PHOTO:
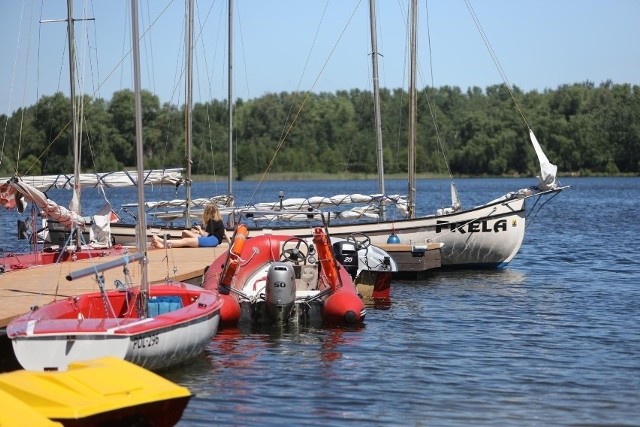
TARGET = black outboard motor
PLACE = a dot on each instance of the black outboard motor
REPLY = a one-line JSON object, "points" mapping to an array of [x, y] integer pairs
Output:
{"points": [[347, 255]]}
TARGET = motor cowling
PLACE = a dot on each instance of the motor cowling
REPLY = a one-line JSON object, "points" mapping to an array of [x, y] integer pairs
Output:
{"points": [[347, 255], [280, 292]]}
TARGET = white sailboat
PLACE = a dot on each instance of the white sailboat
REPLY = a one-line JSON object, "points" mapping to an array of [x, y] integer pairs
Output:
{"points": [[152, 326], [486, 236]]}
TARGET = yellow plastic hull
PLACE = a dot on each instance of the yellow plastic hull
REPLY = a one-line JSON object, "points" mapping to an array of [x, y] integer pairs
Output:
{"points": [[92, 393]]}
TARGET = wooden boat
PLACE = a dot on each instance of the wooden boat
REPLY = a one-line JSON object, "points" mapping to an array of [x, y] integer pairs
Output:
{"points": [[277, 279], [152, 326], [98, 392], [485, 236], [488, 235]]}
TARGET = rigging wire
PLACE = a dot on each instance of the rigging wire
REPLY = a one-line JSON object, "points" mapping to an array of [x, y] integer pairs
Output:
{"points": [[11, 86], [495, 60], [308, 94], [432, 109], [431, 103], [24, 94], [209, 128]]}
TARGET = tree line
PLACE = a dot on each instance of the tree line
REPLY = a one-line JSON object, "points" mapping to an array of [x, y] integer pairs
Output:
{"points": [[583, 128]]}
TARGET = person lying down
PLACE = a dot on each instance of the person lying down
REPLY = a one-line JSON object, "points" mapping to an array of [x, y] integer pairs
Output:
{"points": [[211, 236]]}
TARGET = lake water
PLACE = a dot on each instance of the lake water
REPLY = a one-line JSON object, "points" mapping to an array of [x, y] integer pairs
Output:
{"points": [[553, 339]]}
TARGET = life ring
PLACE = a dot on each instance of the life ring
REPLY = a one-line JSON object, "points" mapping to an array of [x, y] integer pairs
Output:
{"points": [[237, 244], [325, 255]]}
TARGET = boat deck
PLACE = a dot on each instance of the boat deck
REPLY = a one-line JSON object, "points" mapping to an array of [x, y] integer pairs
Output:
{"points": [[38, 285]]}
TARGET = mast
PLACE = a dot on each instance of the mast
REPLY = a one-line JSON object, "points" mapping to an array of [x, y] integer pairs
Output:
{"points": [[142, 219], [75, 200], [376, 101], [411, 164], [74, 205], [230, 101], [188, 107]]}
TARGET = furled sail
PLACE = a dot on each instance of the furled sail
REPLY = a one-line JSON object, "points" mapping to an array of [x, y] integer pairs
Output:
{"points": [[50, 209], [107, 179], [220, 201], [306, 209], [318, 202], [548, 170]]}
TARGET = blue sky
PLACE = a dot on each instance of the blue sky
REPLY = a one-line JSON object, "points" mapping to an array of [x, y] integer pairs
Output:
{"points": [[316, 45]]}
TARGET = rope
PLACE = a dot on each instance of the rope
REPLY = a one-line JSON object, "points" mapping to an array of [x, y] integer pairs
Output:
{"points": [[299, 112], [495, 60]]}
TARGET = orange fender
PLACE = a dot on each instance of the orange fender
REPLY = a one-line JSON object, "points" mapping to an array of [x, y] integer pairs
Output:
{"points": [[237, 244], [325, 255]]}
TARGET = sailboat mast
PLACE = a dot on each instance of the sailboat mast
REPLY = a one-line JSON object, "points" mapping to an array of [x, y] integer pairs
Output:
{"points": [[142, 219], [411, 164], [72, 92], [230, 101], [376, 101], [75, 200], [188, 106]]}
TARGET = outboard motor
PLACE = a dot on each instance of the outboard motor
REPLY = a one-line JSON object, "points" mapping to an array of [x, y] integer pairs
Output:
{"points": [[280, 291], [347, 255]]}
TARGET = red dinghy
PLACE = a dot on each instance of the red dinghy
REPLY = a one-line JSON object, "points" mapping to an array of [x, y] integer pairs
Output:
{"points": [[281, 279], [157, 327]]}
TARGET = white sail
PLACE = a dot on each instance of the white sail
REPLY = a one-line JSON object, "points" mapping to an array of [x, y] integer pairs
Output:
{"points": [[171, 176], [548, 170], [296, 216], [319, 202], [50, 209], [221, 200]]}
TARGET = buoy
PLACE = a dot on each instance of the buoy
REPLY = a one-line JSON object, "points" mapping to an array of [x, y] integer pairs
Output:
{"points": [[393, 238]]}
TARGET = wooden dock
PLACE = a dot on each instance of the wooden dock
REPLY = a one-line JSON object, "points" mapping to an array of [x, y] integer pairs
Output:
{"points": [[414, 261], [21, 289]]}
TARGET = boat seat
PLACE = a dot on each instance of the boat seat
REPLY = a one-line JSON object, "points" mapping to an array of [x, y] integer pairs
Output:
{"points": [[163, 305]]}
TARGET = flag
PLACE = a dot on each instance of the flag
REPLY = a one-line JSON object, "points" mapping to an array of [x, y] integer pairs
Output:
{"points": [[7, 196]]}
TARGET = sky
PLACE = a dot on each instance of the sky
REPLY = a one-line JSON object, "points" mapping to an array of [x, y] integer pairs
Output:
{"points": [[315, 45]]}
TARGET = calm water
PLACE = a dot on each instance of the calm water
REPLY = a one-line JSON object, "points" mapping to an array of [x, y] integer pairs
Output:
{"points": [[554, 339]]}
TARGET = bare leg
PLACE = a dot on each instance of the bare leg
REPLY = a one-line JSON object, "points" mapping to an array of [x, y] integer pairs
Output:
{"points": [[189, 233], [185, 242]]}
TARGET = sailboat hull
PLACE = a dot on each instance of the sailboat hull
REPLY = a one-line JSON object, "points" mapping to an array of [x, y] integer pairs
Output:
{"points": [[183, 320], [488, 236]]}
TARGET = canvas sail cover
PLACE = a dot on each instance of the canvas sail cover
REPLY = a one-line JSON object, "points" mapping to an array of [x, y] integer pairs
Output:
{"points": [[106, 179], [50, 209]]}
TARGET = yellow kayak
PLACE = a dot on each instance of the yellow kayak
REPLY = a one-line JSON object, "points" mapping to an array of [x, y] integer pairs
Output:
{"points": [[98, 391]]}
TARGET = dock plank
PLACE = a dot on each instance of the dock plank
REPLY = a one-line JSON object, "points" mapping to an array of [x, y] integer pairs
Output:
{"points": [[22, 289]]}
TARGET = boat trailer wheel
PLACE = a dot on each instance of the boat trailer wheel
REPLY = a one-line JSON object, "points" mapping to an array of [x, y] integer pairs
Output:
{"points": [[295, 250]]}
